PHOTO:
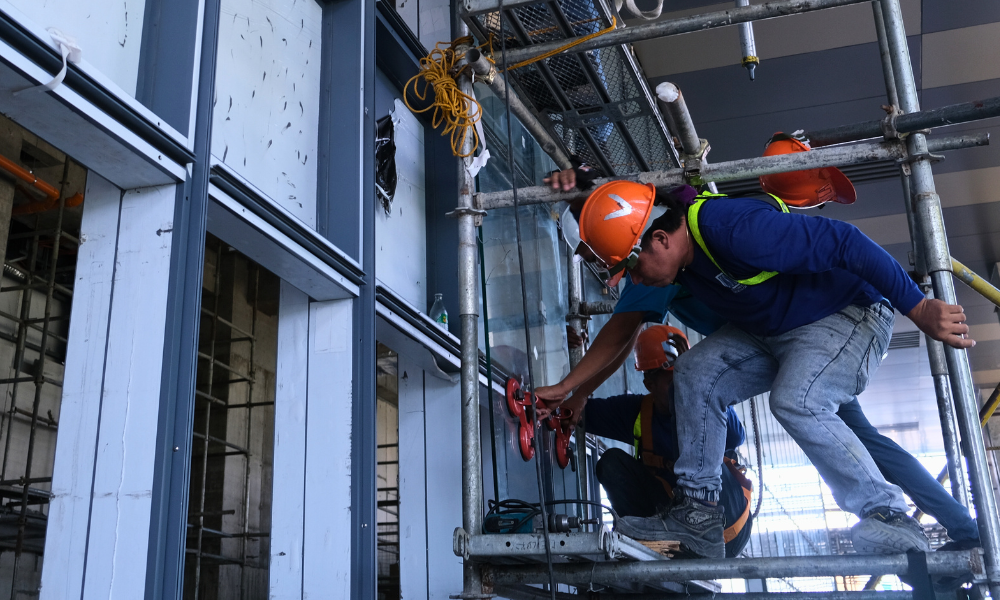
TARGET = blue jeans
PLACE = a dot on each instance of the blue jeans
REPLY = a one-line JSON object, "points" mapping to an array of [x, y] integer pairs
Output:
{"points": [[810, 371], [901, 468]]}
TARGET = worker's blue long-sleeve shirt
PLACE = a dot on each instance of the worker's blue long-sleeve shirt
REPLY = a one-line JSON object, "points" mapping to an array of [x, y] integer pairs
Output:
{"points": [[824, 265]]}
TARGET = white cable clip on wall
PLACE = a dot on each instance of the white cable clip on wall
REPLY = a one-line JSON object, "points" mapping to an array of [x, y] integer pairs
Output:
{"points": [[71, 53]]}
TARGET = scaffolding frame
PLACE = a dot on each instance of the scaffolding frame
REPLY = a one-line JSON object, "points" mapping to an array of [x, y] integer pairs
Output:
{"points": [[950, 366]]}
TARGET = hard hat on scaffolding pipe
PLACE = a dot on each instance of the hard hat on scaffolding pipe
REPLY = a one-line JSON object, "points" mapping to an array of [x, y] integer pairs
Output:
{"points": [[805, 189]]}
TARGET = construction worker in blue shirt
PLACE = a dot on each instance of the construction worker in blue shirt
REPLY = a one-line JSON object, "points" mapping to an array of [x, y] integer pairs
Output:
{"points": [[807, 323], [641, 484], [640, 304]]}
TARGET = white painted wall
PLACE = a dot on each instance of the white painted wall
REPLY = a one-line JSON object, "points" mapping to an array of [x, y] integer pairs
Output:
{"points": [[327, 514], [444, 486], [99, 520], [266, 117], [288, 502], [108, 31], [401, 237], [412, 491]]}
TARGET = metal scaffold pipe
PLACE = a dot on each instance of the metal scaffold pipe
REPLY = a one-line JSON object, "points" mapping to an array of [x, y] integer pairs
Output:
{"points": [[525, 593], [472, 468], [747, 44], [614, 573], [952, 114], [747, 168], [671, 102], [651, 31], [946, 412], [930, 230], [487, 73], [578, 322]]}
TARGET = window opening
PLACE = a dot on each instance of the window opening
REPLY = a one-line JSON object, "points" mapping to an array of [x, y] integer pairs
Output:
{"points": [[229, 514], [387, 471], [39, 239]]}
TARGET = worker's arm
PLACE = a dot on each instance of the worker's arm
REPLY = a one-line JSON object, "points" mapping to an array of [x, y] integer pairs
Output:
{"points": [[585, 389], [834, 244], [608, 345]]}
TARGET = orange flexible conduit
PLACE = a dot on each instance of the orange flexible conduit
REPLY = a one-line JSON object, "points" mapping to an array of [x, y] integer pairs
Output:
{"points": [[51, 194]]}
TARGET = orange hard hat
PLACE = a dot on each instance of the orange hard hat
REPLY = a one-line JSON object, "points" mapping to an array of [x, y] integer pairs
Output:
{"points": [[613, 220], [659, 346], [805, 189]]}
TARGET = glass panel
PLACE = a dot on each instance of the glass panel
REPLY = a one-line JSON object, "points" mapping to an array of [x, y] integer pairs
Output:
{"points": [[229, 510]]}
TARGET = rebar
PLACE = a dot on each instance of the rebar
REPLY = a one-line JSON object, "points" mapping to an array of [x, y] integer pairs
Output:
{"points": [[934, 242], [39, 379], [747, 168]]}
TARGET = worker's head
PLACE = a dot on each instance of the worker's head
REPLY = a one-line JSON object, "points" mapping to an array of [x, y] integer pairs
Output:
{"points": [[656, 351], [632, 227], [805, 189]]}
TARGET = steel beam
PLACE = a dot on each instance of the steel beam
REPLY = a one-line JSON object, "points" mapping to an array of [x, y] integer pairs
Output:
{"points": [[952, 114], [627, 35], [616, 573], [930, 232], [747, 168]]}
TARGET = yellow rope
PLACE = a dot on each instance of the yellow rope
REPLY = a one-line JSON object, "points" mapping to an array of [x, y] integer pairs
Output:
{"points": [[452, 107], [576, 42]]}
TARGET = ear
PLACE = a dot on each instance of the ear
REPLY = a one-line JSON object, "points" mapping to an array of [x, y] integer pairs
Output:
{"points": [[661, 237]]}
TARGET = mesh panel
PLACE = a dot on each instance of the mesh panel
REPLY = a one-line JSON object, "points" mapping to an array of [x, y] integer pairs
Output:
{"points": [[594, 100]]}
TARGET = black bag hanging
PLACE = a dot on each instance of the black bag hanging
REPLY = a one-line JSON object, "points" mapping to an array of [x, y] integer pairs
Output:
{"points": [[385, 162]]}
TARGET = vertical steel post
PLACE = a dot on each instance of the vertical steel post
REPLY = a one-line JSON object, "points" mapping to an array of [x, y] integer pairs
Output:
{"points": [[935, 349], [747, 44], [579, 324], [930, 228], [472, 471], [674, 108], [946, 412]]}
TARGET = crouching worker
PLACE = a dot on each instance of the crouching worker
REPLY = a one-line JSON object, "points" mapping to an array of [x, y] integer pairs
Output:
{"points": [[641, 485]]}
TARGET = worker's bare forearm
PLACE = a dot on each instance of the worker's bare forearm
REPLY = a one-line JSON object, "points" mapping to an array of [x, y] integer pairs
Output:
{"points": [[607, 346], [588, 387]]}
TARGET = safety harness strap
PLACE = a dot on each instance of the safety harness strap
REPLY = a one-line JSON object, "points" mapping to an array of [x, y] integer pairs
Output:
{"points": [[693, 211], [642, 432], [733, 530]]}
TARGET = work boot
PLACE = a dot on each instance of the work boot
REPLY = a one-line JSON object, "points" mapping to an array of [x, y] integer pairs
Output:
{"points": [[696, 526], [883, 531]]}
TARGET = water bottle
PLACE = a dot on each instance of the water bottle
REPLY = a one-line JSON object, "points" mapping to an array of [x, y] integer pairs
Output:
{"points": [[438, 312]]}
